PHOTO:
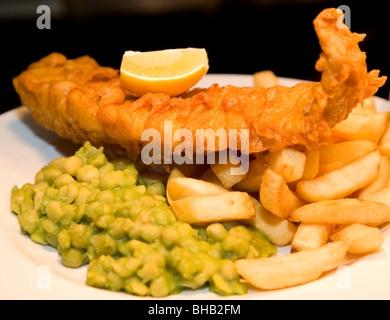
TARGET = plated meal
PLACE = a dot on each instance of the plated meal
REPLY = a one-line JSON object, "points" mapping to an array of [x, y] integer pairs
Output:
{"points": [[153, 208]]}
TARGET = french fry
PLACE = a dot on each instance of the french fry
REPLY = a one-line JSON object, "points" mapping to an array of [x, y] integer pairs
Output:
{"points": [[252, 181], [175, 173], [312, 165], [341, 182], [279, 231], [227, 206], [382, 196], [288, 162], [310, 236], [265, 79], [223, 172], [183, 187], [276, 196], [361, 238], [362, 126], [384, 143], [380, 181], [343, 211], [336, 156], [292, 269]]}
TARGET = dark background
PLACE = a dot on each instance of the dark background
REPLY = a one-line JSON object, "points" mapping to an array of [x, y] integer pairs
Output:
{"points": [[240, 36]]}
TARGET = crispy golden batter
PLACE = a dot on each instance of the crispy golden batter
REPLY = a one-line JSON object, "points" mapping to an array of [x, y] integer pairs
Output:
{"points": [[81, 100]]}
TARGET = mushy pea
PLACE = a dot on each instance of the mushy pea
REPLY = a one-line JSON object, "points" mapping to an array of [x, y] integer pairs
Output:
{"points": [[104, 214]]}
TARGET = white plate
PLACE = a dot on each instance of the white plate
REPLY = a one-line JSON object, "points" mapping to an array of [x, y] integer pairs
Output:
{"points": [[32, 271]]}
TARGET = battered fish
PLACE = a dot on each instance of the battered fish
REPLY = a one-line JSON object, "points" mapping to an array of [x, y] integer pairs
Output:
{"points": [[81, 100]]}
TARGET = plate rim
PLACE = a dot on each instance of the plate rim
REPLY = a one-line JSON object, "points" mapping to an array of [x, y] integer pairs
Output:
{"points": [[287, 293]]}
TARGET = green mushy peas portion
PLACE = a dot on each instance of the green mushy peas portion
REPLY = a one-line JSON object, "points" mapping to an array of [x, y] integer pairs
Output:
{"points": [[104, 214]]}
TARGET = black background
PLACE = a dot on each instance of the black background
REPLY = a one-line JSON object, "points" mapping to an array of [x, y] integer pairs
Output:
{"points": [[240, 36]]}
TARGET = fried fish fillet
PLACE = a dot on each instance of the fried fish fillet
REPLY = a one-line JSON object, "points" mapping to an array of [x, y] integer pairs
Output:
{"points": [[83, 101]]}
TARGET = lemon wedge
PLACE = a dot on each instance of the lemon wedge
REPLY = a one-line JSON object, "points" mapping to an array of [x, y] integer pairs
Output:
{"points": [[172, 71]]}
